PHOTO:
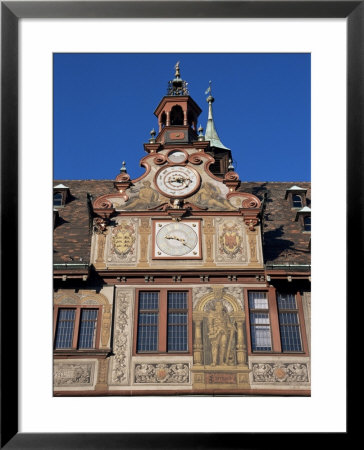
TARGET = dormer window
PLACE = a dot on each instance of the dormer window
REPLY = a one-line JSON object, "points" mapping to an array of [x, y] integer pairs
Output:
{"points": [[60, 195], [297, 201], [296, 197], [304, 217], [58, 199], [307, 223]]}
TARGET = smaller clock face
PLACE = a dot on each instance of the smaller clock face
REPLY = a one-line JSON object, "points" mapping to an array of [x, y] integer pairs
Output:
{"points": [[177, 181], [177, 156], [177, 239]]}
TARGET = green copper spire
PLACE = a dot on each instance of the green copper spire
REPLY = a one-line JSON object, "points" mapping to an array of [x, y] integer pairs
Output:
{"points": [[211, 133]]}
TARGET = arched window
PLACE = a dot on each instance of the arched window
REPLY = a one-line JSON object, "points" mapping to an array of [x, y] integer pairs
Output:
{"points": [[57, 199], [176, 115], [307, 223], [297, 201], [163, 120]]}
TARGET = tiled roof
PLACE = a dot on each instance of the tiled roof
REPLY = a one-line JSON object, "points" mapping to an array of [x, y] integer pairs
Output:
{"points": [[284, 240], [72, 233]]}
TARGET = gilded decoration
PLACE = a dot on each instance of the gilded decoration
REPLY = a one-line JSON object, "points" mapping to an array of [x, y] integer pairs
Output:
{"points": [[219, 335], [252, 239], [209, 232], [230, 241], [86, 297], [120, 361], [220, 332], [73, 374], [144, 235], [162, 373], [280, 372], [121, 242]]}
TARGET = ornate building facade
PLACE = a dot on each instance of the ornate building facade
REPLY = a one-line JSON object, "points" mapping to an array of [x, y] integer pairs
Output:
{"points": [[185, 280]]}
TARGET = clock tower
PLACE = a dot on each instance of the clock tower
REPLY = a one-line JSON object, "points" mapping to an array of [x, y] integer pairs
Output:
{"points": [[179, 244], [176, 296]]}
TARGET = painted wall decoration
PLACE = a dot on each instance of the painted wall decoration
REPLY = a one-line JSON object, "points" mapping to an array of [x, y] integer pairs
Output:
{"points": [[73, 374], [162, 373], [230, 241], [209, 197], [280, 372], [122, 242], [141, 197]]}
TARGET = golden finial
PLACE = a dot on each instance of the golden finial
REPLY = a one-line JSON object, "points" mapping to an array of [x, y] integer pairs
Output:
{"points": [[177, 74]]}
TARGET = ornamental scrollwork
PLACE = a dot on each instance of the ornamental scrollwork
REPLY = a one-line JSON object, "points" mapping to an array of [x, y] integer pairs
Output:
{"points": [[280, 373], [162, 373]]}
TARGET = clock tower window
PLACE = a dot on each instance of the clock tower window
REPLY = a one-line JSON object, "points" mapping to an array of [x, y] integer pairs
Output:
{"points": [[176, 115]]}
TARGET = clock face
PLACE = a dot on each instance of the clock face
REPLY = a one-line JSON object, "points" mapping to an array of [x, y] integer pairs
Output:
{"points": [[177, 239], [177, 181], [177, 156]]}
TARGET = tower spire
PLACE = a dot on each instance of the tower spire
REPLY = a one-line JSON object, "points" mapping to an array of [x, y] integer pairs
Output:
{"points": [[177, 86], [211, 133]]}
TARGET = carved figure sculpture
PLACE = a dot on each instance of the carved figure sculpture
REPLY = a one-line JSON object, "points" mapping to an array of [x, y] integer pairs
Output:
{"points": [[220, 333]]}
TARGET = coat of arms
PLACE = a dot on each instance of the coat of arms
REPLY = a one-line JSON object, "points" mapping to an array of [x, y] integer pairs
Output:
{"points": [[230, 239], [123, 239]]}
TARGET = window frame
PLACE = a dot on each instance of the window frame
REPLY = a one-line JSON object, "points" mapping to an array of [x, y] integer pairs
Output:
{"points": [[304, 223], [283, 325], [300, 199], [76, 329], [163, 322], [260, 311], [274, 322]]}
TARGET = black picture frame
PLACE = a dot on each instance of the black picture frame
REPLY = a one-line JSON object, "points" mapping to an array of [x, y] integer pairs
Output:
{"points": [[11, 12]]}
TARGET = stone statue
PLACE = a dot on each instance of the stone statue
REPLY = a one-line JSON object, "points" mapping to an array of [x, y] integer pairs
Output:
{"points": [[220, 333]]}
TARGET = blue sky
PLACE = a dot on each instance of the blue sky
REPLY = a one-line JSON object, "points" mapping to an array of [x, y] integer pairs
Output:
{"points": [[104, 104]]}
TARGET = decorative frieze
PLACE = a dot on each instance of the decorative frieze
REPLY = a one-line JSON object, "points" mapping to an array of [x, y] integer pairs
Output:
{"points": [[280, 372], [73, 374], [162, 373], [120, 362]]}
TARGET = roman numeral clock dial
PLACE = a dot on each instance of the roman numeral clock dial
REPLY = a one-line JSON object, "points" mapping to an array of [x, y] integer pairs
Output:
{"points": [[177, 240]]}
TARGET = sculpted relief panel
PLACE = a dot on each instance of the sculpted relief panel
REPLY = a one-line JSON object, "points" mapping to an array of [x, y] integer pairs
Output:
{"points": [[219, 335], [280, 373], [162, 373], [73, 373], [120, 361]]}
